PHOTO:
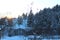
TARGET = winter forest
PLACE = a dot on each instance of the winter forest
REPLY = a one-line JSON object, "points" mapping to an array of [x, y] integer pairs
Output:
{"points": [[45, 24]]}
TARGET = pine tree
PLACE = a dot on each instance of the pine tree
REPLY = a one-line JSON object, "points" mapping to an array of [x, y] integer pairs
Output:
{"points": [[30, 20], [10, 22], [20, 20], [24, 16]]}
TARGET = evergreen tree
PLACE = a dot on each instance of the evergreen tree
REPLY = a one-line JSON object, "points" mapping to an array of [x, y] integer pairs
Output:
{"points": [[20, 20], [30, 21], [24, 16], [2, 21], [10, 22], [56, 8]]}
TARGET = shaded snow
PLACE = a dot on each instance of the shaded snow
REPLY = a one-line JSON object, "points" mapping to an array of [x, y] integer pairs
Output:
{"points": [[25, 38], [22, 26], [14, 38]]}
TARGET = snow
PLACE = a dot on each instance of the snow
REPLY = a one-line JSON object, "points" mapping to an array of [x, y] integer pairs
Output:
{"points": [[25, 38], [22, 26], [14, 38]]}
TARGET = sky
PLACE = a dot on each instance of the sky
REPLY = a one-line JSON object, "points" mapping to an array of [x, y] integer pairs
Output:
{"points": [[13, 8]]}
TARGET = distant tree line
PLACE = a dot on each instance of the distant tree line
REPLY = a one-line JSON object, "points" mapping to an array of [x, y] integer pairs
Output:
{"points": [[44, 22]]}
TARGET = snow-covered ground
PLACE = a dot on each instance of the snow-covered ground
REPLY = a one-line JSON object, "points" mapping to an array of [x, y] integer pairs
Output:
{"points": [[25, 38], [14, 38]]}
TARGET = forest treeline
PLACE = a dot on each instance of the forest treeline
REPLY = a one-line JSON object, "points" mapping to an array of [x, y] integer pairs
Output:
{"points": [[44, 22]]}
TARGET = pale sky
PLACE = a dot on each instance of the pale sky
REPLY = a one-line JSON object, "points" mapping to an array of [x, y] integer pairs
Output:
{"points": [[17, 7]]}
